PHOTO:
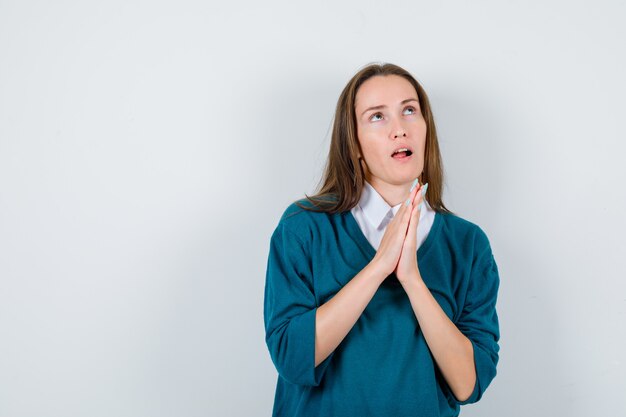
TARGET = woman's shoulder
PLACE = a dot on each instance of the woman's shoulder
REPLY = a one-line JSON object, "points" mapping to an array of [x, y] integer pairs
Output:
{"points": [[300, 210], [300, 217], [310, 208], [294, 209], [464, 229]]}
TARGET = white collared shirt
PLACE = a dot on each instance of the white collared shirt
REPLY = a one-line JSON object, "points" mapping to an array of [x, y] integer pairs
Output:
{"points": [[373, 214]]}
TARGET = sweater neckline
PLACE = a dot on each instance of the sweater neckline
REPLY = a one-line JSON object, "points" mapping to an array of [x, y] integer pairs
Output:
{"points": [[371, 251]]}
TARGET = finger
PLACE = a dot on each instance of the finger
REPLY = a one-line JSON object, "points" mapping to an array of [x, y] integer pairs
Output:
{"points": [[419, 200], [404, 213], [415, 218], [418, 196], [415, 196], [417, 208], [405, 206], [411, 200], [417, 190], [418, 204]]}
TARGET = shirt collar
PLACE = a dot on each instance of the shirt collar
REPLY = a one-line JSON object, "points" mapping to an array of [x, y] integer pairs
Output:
{"points": [[375, 207]]}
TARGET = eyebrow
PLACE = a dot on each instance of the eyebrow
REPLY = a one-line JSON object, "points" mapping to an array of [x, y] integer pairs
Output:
{"points": [[382, 106]]}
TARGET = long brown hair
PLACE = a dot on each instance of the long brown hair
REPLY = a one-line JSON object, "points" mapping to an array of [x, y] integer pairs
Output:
{"points": [[343, 179]]}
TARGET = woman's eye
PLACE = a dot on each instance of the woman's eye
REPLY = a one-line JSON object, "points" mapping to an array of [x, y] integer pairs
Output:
{"points": [[380, 114]]}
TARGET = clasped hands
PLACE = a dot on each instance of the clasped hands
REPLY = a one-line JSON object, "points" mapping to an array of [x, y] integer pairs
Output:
{"points": [[397, 251]]}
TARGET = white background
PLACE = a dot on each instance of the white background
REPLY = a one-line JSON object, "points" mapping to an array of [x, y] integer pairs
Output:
{"points": [[148, 149]]}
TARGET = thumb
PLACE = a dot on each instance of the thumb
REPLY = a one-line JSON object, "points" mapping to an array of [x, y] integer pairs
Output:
{"points": [[417, 209], [414, 220]]}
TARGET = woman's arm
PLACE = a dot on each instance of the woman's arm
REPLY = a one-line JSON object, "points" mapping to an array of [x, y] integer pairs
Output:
{"points": [[452, 351], [335, 318]]}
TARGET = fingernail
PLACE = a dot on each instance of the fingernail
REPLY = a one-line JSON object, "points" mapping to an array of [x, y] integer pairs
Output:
{"points": [[408, 201], [413, 185], [424, 188]]}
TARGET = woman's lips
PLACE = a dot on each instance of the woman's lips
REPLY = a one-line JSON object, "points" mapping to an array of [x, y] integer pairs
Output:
{"points": [[402, 158]]}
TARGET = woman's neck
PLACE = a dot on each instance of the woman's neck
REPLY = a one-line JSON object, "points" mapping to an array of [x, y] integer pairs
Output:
{"points": [[392, 194]]}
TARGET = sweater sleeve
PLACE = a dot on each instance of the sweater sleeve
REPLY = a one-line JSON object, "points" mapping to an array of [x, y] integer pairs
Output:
{"points": [[479, 322], [289, 310]]}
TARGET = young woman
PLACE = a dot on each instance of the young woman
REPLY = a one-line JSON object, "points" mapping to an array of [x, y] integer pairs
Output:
{"points": [[379, 301]]}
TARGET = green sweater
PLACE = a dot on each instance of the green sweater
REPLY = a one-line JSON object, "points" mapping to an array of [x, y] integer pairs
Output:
{"points": [[383, 367]]}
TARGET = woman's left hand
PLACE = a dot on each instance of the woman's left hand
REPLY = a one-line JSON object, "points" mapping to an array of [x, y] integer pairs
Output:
{"points": [[407, 269]]}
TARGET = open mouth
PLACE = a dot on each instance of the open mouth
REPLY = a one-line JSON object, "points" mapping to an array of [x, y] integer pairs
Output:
{"points": [[401, 153]]}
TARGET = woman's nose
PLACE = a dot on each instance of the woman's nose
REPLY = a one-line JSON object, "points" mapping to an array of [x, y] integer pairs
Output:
{"points": [[399, 133], [397, 130]]}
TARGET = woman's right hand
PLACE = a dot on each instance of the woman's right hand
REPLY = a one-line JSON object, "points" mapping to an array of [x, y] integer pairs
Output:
{"points": [[390, 248]]}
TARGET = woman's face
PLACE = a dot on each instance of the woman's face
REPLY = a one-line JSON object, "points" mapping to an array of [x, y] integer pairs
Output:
{"points": [[388, 117]]}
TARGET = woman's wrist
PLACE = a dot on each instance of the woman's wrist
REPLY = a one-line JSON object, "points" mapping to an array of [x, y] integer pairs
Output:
{"points": [[377, 269]]}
